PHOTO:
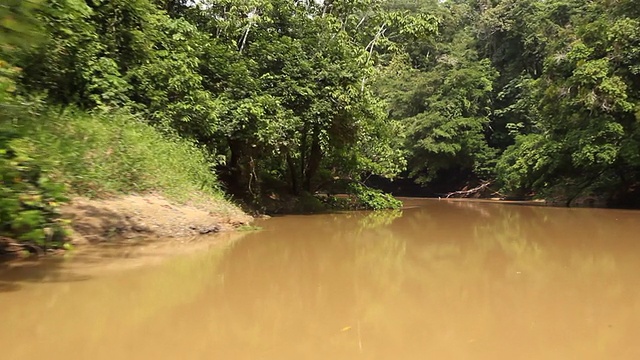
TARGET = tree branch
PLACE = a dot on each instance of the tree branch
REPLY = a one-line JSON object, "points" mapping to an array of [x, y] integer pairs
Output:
{"points": [[475, 190]]}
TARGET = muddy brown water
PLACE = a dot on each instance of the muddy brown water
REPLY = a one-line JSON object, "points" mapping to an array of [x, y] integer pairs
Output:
{"points": [[438, 280]]}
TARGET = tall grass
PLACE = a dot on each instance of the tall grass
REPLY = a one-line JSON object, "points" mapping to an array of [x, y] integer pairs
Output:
{"points": [[104, 153]]}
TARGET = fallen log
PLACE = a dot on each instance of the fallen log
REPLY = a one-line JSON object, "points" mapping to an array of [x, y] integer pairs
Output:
{"points": [[475, 190]]}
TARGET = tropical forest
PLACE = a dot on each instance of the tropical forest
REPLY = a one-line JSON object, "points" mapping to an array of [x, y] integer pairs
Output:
{"points": [[282, 104]]}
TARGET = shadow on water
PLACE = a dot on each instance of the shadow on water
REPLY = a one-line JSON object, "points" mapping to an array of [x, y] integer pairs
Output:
{"points": [[90, 262], [8, 286], [48, 270], [54, 269]]}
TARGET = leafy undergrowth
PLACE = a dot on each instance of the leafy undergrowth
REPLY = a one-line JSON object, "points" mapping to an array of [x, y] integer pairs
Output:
{"points": [[29, 200], [372, 199], [108, 153], [48, 154], [354, 197], [361, 197]]}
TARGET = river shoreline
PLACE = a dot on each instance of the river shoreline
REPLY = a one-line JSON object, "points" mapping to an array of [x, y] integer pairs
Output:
{"points": [[151, 219], [138, 220], [100, 220], [580, 202]]}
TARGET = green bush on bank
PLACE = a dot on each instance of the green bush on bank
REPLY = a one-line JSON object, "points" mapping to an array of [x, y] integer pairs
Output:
{"points": [[361, 197], [47, 154], [29, 200], [373, 199], [109, 153]]}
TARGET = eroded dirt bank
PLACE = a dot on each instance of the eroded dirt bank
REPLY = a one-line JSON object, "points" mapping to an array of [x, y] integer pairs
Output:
{"points": [[134, 216]]}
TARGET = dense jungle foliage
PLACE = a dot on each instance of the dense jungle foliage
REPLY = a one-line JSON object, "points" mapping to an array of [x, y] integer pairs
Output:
{"points": [[296, 97], [540, 96]]}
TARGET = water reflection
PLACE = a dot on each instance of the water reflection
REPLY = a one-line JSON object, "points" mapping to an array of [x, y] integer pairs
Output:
{"points": [[438, 280]]}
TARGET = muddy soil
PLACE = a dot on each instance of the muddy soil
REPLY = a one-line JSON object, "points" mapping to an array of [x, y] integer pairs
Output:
{"points": [[135, 216]]}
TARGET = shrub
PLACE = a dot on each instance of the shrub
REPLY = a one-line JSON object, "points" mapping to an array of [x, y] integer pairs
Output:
{"points": [[47, 153], [29, 200], [102, 154], [373, 199]]}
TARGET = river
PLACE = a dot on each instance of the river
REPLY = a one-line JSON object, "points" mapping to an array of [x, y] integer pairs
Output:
{"points": [[437, 280]]}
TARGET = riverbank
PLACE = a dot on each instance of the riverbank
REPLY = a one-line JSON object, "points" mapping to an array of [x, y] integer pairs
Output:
{"points": [[134, 216], [70, 178], [138, 220]]}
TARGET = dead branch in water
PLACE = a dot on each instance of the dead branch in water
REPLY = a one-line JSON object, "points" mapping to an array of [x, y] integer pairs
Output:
{"points": [[465, 193]]}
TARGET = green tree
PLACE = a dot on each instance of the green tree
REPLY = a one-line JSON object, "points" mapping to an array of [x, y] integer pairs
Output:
{"points": [[584, 138], [441, 91]]}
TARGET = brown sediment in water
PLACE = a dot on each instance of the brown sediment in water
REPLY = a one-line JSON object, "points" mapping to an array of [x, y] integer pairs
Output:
{"points": [[439, 280]]}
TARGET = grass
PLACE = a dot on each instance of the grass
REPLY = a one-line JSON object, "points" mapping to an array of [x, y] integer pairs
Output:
{"points": [[103, 154], [249, 228]]}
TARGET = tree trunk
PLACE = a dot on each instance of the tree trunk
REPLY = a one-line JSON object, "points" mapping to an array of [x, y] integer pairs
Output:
{"points": [[238, 182], [303, 151], [315, 157], [294, 175]]}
